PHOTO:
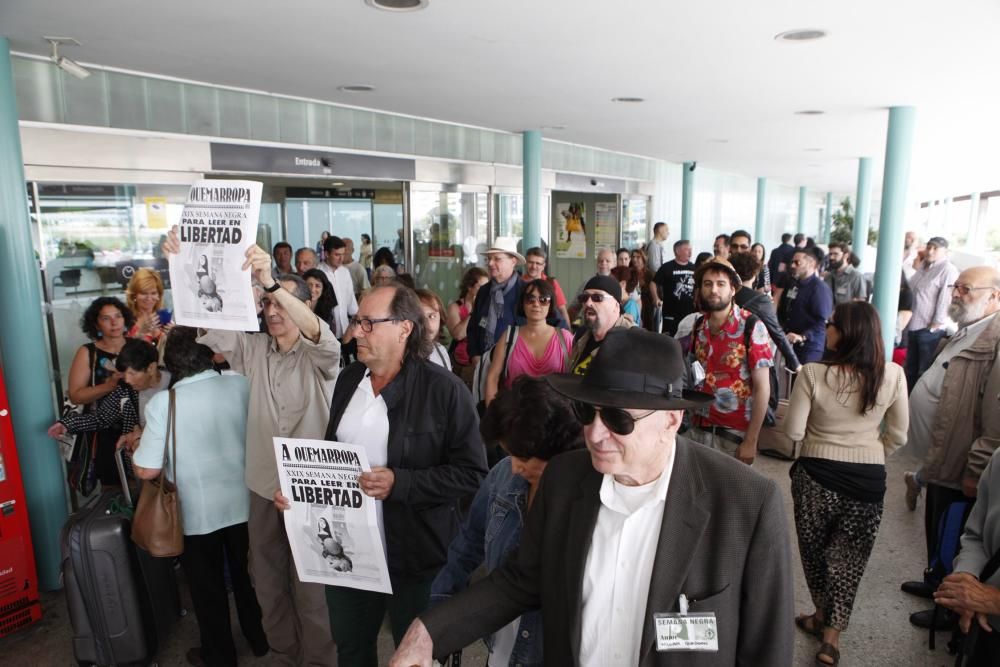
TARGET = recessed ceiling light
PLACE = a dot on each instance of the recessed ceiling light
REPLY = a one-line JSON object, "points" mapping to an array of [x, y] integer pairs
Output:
{"points": [[810, 112], [357, 88], [719, 141], [814, 150], [337, 184], [803, 35], [628, 100], [397, 5]]}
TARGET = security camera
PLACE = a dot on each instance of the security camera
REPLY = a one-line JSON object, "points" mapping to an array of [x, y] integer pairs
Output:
{"points": [[593, 181], [694, 165]]}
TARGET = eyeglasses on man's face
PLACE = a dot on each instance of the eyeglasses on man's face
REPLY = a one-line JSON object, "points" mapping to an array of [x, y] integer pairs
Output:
{"points": [[617, 420], [366, 324], [964, 290], [596, 297]]}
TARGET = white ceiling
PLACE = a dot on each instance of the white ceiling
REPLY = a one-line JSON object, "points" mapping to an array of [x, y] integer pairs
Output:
{"points": [[719, 88]]}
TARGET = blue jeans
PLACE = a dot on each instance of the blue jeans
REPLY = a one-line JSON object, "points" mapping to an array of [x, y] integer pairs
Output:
{"points": [[920, 347]]}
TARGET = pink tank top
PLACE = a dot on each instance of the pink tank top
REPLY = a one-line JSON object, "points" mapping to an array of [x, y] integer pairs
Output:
{"points": [[522, 362], [462, 347]]}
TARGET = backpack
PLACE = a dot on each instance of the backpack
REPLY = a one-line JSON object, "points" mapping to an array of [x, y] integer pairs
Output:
{"points": [[946, 546], [483, 368], [750, 322]]}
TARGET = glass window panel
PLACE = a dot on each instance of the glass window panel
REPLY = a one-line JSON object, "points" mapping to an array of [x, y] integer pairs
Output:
{"points": [[166, 112], [86, 99], [127, 101], [234, 114], [201, 107], [264, 118], [450, 229], [404, 135], [319, 124], [342, 130], [292, 121], [385, 132], [39, 95], [364, 130]]}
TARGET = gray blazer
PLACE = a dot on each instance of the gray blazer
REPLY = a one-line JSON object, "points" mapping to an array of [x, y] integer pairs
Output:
{"points": [[723, 543]]}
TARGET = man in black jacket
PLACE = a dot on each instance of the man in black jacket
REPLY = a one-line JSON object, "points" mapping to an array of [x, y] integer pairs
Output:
{"points": [[761, 305], [420, 428]]}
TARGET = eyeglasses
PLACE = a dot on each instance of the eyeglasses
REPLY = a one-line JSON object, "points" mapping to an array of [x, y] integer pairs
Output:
{"points": [[537, 298], [596, 297], [366, 324], [963, 290], [617, 420]]}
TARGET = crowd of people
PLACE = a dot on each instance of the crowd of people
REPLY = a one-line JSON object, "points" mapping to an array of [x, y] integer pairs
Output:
{"points": [[642, 397]]}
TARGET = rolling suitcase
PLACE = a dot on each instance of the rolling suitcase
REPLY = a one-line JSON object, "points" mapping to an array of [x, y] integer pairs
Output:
{"points": [[122, 601]]}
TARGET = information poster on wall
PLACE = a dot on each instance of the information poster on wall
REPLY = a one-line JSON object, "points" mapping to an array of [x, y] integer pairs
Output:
{"points": [[570, 231], [156, 212], [333, 528], [210, 287], [605, 225]]}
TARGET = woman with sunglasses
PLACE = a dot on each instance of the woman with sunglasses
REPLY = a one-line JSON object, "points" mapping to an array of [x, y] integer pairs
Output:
{"points": [[533, 423], [837, 409], [540, 347]]}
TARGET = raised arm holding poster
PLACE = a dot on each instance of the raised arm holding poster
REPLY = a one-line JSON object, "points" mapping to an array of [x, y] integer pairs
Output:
{"points": [[210, 287], [333, 528]]}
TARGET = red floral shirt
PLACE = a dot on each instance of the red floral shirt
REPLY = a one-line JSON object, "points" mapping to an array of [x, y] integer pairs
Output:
{"points": [[727, 364]]}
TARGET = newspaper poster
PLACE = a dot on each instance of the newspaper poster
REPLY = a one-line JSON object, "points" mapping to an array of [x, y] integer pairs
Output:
{"points": [[570, 230], [210, 287], [333, 528]]}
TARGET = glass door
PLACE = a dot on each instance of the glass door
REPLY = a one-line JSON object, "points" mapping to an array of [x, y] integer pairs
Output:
{"points": [[635, 229], [449, 230]]}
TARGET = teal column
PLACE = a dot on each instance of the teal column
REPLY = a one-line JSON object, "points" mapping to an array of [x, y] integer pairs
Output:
{"points": [[22, 346], [895, 181], [827, 219], [862, 209], [532, 174], [800, 227], [758, 227], [687, 199]]}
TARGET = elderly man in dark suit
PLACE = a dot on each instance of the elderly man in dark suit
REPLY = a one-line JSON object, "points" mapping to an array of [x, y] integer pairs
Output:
{"points": [[646, 549]]}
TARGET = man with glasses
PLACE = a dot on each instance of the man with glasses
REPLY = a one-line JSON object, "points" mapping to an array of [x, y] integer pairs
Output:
{"points": [[291, 370], [600, 304], [931, 297], [641, 547], [806, 305], [496, 302], [955, 411], [730, 358], [534, 269], [419, 426], [739, 241]]}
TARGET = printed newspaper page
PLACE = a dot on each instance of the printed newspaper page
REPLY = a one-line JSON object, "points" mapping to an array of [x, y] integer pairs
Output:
{"points": [[210, 287], [333, 528]]}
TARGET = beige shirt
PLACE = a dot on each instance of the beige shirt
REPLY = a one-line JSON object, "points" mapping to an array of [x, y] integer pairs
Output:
{"points": [[290, 393], [830, 424]]}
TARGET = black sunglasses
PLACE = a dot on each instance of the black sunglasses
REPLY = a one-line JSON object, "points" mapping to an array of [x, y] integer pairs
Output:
{"points": [[617, 420], [596, 297]]}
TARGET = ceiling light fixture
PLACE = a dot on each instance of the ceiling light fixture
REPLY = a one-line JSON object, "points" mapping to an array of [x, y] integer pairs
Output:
{"points": [[357, 88], [397, 5], [64, 63], [337, 184], [803, 35], [810, 112], [719, 141], [628, 100]]}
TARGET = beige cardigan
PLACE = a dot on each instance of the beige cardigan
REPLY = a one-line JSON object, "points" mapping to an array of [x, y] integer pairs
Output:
{"points": [[832, 427]]}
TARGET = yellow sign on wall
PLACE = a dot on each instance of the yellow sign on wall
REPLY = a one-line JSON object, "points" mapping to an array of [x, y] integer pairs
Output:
{"points": [[156, 212]]}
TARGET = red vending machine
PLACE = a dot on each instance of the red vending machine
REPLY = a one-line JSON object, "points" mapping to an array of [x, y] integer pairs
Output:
{"points": [[18, 581]]}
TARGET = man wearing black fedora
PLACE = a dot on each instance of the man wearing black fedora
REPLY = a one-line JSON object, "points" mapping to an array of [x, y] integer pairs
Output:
{"points": [[645, 549]]}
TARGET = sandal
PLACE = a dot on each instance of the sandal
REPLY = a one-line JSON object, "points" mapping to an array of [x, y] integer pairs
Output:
{"points": [[809, 624], [828, 651]]}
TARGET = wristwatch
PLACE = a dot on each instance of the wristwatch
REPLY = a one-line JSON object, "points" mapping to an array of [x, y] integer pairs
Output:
{"points": [[273, 288]]}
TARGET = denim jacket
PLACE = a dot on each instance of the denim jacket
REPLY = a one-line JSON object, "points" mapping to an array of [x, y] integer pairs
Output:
{"points": [[489, 533]]}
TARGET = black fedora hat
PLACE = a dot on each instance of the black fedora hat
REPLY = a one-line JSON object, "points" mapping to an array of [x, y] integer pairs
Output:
{"points": [[633, 368]]}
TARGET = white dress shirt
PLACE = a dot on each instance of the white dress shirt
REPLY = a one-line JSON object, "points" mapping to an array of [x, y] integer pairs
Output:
{"points": [[343, 288], [365, 423], [618, 571]]}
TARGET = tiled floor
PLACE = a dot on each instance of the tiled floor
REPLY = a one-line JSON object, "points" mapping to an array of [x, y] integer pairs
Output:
{"points": [[879, 633]]}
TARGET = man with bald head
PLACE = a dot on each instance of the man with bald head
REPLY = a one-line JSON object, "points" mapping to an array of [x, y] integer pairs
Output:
{"points": [[305, 259], [954, 409]]}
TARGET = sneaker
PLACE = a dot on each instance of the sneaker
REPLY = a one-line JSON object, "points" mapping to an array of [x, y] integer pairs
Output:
{"points": [[913, 489]]}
